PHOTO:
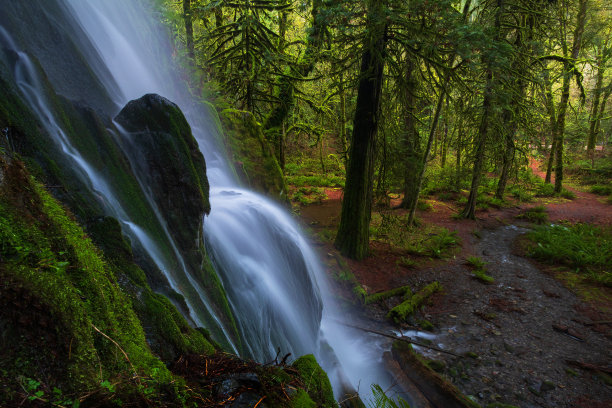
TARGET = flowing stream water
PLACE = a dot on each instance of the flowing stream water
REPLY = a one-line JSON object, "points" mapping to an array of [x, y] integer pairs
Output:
{"points": [[274, 282]]}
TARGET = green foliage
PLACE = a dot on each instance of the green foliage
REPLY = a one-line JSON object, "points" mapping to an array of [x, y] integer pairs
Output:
{"points": [[244, 52], [308, 195], [545, 190], [404, 291], [582, 247], [570, 195], [537, 214], [424, 205], [600, 189], [479, 269], [476, 262], [520, 194], [428, 240], [381, 400], [316, 381], [405, 309]]}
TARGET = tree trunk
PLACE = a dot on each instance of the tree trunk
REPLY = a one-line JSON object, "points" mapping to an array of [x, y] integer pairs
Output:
{"points": [[470, 208], [458, 161], [508, 160], [567, 76], [483, 131], [285, 85], [353, 236], [423, 165], [595, 109], [550, 107], [342, 129], [187, 18], [410, 140]]}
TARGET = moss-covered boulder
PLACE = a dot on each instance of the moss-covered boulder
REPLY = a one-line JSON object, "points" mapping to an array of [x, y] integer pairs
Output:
{"points": [[316, 381], [171, 163], [253, 157]]}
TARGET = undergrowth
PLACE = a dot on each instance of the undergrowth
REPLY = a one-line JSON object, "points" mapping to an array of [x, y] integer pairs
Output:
{"points": [[426, 240], [583, 247], [537, 215]]}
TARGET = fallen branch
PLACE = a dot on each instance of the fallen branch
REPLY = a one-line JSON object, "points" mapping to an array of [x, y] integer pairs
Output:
{"points": [[404, 339]]}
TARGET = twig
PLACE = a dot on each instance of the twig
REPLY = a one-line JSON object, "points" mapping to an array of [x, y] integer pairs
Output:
{"points": [[258, 402], [391, 336], [120, 349]]}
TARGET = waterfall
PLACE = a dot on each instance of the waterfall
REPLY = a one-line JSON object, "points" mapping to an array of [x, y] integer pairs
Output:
{"points": [[275, 285]]}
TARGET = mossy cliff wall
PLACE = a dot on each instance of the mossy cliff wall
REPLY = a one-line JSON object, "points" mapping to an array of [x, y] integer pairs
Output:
{"points": [[180, 190], [72, 319], [252, 156]]}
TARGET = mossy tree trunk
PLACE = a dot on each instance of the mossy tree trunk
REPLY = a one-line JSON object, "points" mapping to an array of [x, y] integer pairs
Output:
{"points": [[487, 116], [507, 159], [510, 114], [423, 164], [286, 83], [569, 68], [552, 115], [410, 139], [353, 236], [481, 139], [596, 115], [188, 19]]}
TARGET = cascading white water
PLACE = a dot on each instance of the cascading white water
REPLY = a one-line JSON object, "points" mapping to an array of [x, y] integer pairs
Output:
{"points": [[28, 81], [275, 285]]}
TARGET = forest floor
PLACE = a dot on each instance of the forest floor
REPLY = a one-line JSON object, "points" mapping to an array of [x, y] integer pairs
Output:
{"points": [[522, 339]]}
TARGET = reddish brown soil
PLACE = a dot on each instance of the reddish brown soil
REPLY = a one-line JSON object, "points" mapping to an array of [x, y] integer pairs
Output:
{"points": [[510, 324]]}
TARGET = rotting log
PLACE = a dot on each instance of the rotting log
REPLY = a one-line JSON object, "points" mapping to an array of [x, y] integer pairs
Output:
{"points": [[404, 291], [400, 312], [439, 392]]}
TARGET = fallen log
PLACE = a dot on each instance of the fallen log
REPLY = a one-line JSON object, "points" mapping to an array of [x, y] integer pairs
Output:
{"points": [[439, 392]]}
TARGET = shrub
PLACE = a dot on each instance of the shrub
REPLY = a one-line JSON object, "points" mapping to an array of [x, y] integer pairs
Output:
{"points": [[583, 247], [545, 190], [567, 194], [601, 189], [537, 215]]}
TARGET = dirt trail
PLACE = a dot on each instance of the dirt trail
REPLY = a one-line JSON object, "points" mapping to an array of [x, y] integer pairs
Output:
{"points": [[520, 331], [519, 328]]}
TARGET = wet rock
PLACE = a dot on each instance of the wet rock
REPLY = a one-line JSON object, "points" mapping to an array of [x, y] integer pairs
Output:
{"points": [[169, 159]]}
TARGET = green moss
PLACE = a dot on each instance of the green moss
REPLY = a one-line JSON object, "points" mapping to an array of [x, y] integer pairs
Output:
{"points": [[426, 325], [302, 400], [404, 291], [400, 312], [46, 256], [316, 381], [252, 155]]}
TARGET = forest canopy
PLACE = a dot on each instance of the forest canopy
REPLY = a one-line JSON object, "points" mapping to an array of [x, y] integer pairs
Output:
{"points": [[389, 94]]}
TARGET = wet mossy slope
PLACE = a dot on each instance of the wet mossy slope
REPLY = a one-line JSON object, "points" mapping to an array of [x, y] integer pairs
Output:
{"points": [[71, 329]]}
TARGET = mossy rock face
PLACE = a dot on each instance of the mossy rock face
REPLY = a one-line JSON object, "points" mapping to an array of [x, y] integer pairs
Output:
{"points": [[60, 301], [167, 332], [170, 160], [315, 381], [253, 157]]}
